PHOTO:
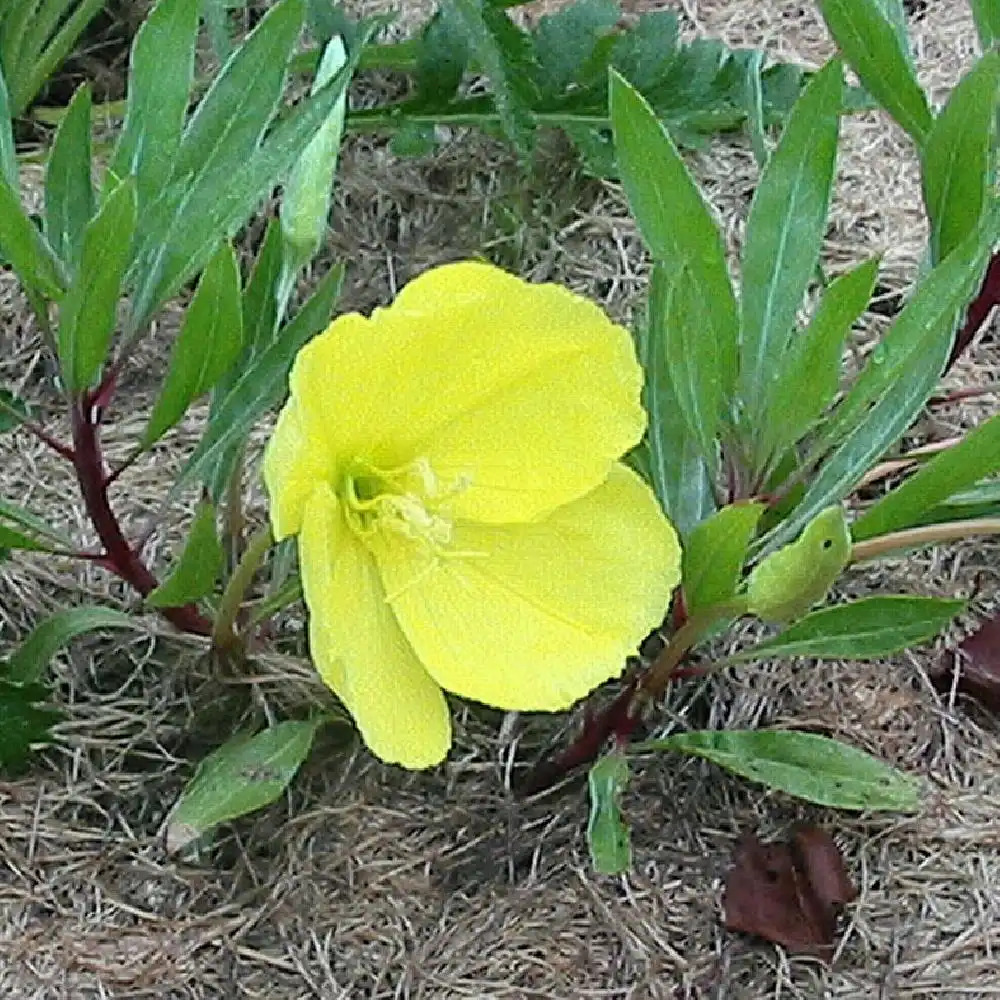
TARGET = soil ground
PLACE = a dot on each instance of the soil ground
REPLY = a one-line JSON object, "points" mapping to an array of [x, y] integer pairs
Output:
{"points": [[368, 882]]}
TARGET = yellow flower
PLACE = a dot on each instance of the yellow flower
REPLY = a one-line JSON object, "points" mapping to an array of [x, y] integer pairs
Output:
{"points": [[450, 467]]}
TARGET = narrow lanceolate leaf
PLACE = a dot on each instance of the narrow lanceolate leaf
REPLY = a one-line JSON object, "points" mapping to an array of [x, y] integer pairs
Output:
{"points": [[260, 297], [975, 457], [69, 192], [161, 69], [16, 518], [987, 15], [681, 479], [262, 384], [197, 569], [25, 721], [30, 659], [809, 377], [8, 155], [88, 313], [806, 765], [305, 203], [693, 361], [260, 322], [714, 555], [12, 538], [208, 345], [194, 221], [607, 832], [873, 47], [900, 375], [784, 232], [244, 775], [957, 174], [234, 114], [753, 102], [675, 222], [504, 53], [25, 249], [861, 630], [13, 411]]}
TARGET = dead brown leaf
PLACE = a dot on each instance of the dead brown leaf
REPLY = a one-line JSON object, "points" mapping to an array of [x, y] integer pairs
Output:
{"points": [[977, 662], [789, 893]]}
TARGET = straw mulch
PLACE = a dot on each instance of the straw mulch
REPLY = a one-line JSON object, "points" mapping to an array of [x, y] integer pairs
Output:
{"points": [[369, 882]]}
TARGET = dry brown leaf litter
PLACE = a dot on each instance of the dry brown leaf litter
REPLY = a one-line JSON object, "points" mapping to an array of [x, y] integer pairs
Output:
{"points": [[368, 882]]}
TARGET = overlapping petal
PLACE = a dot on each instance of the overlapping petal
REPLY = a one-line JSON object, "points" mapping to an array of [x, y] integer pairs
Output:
{"points": [[546, 611], [523, 393], [294, 462], [358, 647]]}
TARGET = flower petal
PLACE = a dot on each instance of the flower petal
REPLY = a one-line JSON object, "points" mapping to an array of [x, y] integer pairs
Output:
{"points": [[294, 463], [549, 610], [358, 647], [528, 389]]}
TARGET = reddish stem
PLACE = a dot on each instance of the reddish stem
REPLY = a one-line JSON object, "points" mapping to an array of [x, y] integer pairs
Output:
{"points": [[979, 310], [47, 439], [615, 720], [120, 557]]}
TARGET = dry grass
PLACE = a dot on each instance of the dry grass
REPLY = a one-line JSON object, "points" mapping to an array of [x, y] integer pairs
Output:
{"points": [[367, 882]]}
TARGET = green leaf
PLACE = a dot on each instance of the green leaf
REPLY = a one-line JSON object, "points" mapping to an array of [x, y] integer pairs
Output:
{"points": [[787, 583], [809, 377], [221, 139], [69, 193], [305, 202], [871, 43], [262, 384], [8, 154], [714, 555], [753, 102], [900, 375], [197, 569], [565, 42], [42, 535], [11, 538], [234, 114], [784, 233], [681, 480], [161, 69], [30, 659], [674, 220], [442, 57], [977, 455], [647, 56], [692, 359], [193, 221], [25, 721], [504, 53], [24, 248], [260, 296], [607, 832], [208, 345], [860, 630], [805, 765], [54, 27], [957, 158], [987, 16], [260, 321], [13, 411], [243, 775], [88, 313]]}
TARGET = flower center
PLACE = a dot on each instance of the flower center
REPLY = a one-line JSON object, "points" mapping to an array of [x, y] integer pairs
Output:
{"points": [[409, 501]]}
